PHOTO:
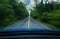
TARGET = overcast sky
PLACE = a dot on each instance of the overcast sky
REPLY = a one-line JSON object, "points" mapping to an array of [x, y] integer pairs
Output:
{"points": [[30, 3]]}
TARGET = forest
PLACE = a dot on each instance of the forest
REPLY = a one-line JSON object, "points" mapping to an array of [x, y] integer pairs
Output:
{"points": [[11, 11], [47, 13]]}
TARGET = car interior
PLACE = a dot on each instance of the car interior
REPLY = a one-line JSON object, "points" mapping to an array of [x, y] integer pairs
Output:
{"points": [[29, 19]]}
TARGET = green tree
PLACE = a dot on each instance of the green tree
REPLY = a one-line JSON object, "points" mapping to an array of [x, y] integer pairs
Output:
{"points": [[6, 13], [10, 11], [19, 8], [48, 13]]}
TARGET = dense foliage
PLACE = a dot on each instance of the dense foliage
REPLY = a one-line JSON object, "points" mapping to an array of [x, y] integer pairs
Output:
{"points": [[11, 11], [48, 13]]}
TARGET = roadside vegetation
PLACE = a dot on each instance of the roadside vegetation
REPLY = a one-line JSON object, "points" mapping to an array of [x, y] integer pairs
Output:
{"points": [[48, 13], [11, 11]]}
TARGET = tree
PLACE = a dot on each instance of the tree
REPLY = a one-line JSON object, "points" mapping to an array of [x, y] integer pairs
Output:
{"points": [[19, 9], [41, 1], [22, 12], [48, 13], [10, 11], [36, 1], [6, 13], [46, 1]]}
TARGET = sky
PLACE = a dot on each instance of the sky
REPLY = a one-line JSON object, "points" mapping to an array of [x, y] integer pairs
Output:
{"points": [[30, 3]]}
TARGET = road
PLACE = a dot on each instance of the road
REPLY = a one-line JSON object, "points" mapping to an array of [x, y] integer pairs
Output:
{"points": [[28, 22]]}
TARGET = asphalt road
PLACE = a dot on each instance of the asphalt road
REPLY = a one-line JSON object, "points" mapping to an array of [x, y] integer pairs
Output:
{"points": [[28, 22]]}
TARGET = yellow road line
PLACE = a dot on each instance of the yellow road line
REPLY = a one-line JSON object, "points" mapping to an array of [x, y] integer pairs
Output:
{"points": [[29, 24]]}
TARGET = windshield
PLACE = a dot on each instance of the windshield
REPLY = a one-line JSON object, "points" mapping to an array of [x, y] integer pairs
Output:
{"points": [[29, 14]]}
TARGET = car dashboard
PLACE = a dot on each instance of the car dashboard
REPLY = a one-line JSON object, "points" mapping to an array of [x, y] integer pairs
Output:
{"points": [[30, 34]]}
